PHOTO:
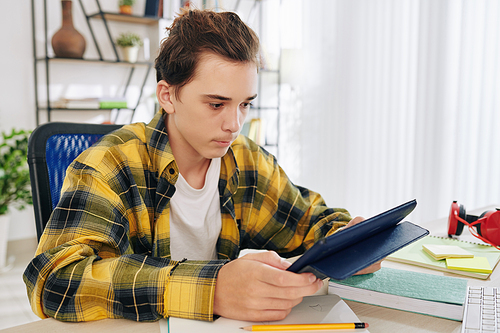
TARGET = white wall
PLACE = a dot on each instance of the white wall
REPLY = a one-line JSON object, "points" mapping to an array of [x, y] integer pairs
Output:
{"points": [[16, 89]]}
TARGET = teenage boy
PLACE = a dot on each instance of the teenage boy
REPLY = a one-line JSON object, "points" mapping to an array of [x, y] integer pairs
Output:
{"points": [[186, 185]]}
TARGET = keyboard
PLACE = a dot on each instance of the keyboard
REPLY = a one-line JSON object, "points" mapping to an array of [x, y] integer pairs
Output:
{"points": [[482, 310]]}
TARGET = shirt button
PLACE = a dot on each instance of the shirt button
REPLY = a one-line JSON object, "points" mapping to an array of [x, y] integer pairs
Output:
{"points": [[172, 171]]}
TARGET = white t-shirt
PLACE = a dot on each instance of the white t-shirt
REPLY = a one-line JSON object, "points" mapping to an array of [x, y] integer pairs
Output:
{"points": [[195, 218]]}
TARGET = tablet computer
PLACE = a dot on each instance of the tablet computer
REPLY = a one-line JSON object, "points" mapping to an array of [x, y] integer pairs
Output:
{"points": [[351, 249]]}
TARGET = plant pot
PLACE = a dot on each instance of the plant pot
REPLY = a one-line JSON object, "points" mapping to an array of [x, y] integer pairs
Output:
{"points": [[127, 10], [67, 42], [130, 53], [4, 237]]}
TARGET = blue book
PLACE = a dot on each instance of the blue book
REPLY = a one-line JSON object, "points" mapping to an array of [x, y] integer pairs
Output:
{"points": [[429, 294], [152, 7]]}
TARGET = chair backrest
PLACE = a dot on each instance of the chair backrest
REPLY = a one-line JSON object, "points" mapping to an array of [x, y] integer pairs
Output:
{"points": [[51, 149]]}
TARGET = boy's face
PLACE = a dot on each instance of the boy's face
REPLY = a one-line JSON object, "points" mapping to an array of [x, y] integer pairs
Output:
{"points": [[207, 114]]}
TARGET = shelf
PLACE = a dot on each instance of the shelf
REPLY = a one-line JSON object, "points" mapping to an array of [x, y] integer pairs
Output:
{"points": [[272, 71], [43, 61], [150, 20], [125, 63], [265, 108], [81, 109]]}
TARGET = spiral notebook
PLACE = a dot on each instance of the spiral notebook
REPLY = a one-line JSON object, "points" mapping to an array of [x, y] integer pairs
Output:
{"points": [[414, 254]]}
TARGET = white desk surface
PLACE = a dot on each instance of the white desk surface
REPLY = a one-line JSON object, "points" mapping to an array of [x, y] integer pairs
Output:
{"points": [[381, 320]]}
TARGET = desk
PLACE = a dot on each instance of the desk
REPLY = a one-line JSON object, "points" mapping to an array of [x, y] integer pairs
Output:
{"points": [[381, 320], [389, 320]]}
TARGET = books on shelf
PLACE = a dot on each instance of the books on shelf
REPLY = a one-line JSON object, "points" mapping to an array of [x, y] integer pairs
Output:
{"points": [[113, 103], [76, 103], [253, 130], [91, 103], [434, 295], [152, 8], [415, 255]]}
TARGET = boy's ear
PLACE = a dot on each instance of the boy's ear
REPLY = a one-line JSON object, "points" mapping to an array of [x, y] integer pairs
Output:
{"points": [[164, 93]]}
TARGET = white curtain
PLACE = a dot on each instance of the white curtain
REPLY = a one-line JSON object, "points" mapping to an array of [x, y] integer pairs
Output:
{"points": [[398, 99]]}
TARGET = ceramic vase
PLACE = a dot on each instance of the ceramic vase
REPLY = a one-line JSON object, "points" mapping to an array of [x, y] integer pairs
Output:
{"points": [[130, 53], [126, 10], [67, 42]]}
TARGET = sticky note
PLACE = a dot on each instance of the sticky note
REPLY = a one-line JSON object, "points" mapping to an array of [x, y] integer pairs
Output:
{"points": [[439, 252], [476, 264]]}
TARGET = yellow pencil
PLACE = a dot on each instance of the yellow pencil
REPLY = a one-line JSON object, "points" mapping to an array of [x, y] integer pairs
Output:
{"points": [[297, 327]]}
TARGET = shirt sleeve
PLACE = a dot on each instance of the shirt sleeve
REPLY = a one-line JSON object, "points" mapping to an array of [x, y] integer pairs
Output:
{"points": [[95, 261], [284, 217]]}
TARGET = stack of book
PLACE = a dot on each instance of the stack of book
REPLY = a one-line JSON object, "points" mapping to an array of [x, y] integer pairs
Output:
{"points": [[434, 295], [91, 103]]}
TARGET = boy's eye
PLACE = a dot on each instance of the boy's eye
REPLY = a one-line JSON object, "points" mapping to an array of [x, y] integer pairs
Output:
{"points": [[216, 105]]}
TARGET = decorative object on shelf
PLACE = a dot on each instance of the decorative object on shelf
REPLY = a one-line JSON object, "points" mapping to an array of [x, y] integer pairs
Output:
{"points": [[67, 42], [15, 189], [130, 44], [125, 6]]}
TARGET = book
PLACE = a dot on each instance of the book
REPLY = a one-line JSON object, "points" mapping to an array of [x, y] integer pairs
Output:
{"points": [[245, 129], [348, 251], [91, 103], [475, 264], [414, 255], [113, 103], [253, 130], [76, 103], [438, 251], [312, 309], [434, 295], [160, 9], [152, 7]]}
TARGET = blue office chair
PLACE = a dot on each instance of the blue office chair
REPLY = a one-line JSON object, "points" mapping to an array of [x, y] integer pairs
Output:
{"points": [[51, 149]]}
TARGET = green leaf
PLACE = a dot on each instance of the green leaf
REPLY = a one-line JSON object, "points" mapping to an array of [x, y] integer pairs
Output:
{"points": [[15, 186]]}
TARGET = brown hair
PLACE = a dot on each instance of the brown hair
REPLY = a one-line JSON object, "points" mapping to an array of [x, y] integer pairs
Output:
{"points": [[196, 31]]}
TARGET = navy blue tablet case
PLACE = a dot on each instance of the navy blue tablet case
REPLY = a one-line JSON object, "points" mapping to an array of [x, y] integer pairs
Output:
{"points": [[350, 250]]}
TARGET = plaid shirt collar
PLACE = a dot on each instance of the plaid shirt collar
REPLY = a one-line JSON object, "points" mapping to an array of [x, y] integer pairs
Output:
{"points": [[162, 157]]}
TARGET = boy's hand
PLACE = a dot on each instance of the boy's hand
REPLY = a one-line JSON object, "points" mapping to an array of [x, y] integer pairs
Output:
{"points": [[257, 287]]}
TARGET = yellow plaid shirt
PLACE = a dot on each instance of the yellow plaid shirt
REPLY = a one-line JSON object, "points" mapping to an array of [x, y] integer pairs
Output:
{"points": [[105, 252]]}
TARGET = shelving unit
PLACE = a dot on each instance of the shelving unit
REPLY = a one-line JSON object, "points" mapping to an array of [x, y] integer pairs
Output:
{"points": [[263, 110], [140, 71], [45, 62]]}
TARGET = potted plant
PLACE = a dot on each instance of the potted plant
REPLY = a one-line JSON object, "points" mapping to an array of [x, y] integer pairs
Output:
{"points": [[125, 6], [15, 189], [130, 43]]}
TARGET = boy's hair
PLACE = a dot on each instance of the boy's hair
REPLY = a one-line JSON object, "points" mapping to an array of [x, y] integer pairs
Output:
{"points": [[196, 31]]}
